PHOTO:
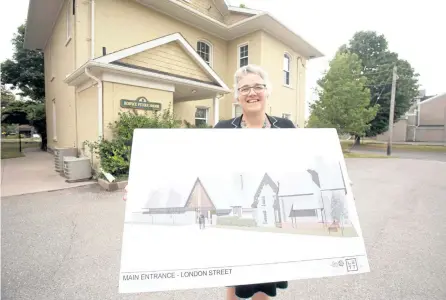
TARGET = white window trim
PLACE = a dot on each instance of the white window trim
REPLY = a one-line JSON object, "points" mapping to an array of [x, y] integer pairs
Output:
{"points": [[54, 120], [69, 21], [233, 109], [207, 114], [238, 53], [211, 51], [290, 59]]}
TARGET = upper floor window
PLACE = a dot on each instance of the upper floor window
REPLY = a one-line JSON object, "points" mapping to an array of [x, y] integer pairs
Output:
{"points": [[204, 49], [243, 55], [70, 12], [286, 69]]}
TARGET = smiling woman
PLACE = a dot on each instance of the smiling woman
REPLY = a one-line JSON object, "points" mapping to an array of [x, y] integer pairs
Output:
{"points": [[251, 90]]}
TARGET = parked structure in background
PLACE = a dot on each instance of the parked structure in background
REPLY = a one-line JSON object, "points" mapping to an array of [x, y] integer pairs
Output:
{"points": [[424, 122], [103, 57]]}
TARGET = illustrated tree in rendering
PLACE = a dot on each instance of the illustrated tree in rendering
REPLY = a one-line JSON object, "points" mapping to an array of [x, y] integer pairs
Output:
{"points": [[337, 209]]}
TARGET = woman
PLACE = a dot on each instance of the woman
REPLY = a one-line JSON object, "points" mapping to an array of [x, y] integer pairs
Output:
{"points": [[251, 91]]}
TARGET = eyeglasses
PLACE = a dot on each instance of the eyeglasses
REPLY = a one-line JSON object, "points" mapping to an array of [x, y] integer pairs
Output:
{"points": [[257, 89]]}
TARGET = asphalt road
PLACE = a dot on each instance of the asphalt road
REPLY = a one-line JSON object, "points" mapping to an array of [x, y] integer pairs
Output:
{"points": [[66, 244]]}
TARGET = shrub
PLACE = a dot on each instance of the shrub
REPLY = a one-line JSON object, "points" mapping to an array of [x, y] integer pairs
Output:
{"points": [[114, 154]]}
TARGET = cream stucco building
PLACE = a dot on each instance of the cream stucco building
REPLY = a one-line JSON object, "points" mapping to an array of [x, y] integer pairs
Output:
{"points": [[103, 55]]}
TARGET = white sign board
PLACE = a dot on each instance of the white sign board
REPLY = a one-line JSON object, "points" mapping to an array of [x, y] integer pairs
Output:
{"points": [[221, 207]]}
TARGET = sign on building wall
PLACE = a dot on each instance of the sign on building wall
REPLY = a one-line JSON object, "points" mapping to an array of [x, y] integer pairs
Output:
{"points": [[140, 103]]}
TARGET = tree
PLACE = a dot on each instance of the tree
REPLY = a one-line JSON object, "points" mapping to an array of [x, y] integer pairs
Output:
{"points": [[344, 101], [26, 70], [6, 96], [26, 73], [27, 112], [377, 63], [337, 207]]}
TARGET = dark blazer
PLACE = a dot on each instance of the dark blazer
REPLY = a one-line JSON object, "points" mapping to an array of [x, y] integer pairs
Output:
{"points": [[276, 122], [269, 288]]}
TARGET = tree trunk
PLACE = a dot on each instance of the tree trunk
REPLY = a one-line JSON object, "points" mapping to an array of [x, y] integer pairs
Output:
{"points": [[357, 140], [43, 144]]}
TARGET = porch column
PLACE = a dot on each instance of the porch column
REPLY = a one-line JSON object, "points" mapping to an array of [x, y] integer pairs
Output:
{"points": [[216, 105]]}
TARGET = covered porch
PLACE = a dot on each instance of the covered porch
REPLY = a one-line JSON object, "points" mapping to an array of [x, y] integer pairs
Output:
{"points": [[165, 73]]}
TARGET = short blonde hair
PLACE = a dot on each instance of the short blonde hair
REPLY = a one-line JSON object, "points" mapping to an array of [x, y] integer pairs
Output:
{"points": [[251, 69]]}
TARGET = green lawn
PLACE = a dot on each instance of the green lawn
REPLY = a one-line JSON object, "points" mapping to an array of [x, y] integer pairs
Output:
{"points": [[10, 147], [365, 155], [376, 145]]}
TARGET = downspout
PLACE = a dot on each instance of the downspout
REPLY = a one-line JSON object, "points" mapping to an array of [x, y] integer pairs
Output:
{"points": [[297, 92], [99, 82], [92, 30]]}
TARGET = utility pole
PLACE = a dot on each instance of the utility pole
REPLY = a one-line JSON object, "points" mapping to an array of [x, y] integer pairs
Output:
{"points": [[392, 111]]}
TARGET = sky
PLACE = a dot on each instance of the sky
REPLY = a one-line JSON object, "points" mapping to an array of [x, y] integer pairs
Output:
{"points": [[412, 29]]}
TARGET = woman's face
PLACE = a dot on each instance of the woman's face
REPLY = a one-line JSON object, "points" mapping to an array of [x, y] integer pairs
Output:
{"points": [[252, 94]]}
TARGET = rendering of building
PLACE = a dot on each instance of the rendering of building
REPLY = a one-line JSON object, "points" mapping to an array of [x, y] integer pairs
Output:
{"points": [[103, 57], [313, 198]]}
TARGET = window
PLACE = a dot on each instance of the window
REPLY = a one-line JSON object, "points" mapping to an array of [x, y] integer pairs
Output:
{"points": [[265, 218], [263, 200], [286, 69], [69, 12], [201, 116], [54, 120], [237, 111], [204, 50], [243, 55], [286, 116]]}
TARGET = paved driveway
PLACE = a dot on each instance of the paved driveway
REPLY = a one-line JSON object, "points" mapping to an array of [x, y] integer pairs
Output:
{"points": [[35, 172], [66, 244]]}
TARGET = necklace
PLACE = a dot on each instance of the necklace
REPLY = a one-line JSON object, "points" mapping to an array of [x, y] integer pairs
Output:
{"points": [[266, 124]]}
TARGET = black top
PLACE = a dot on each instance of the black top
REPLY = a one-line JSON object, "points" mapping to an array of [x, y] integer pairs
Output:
{"points": [[269, 288], [276, 122]]}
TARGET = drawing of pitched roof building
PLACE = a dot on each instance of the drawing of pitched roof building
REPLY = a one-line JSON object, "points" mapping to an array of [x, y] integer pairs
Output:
{"points": [[296, 199], [313, 196]]}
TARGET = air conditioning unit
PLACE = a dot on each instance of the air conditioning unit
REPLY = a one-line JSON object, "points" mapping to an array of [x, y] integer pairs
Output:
{"points": [[77, 168], [59, 154]]}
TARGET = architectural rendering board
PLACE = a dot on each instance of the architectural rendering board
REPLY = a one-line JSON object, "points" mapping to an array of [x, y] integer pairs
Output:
{"points": [[209, 208]]}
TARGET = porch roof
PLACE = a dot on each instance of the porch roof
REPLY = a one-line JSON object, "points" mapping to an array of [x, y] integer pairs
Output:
{"points": [[185, 87]]}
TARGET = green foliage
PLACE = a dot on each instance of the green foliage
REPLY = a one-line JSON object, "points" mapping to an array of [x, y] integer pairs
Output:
{"points": [[344, 100], [242, 5], [26, 70], [114, 154], [377, 63], [27, 112], [190, 125], [6, 96]]}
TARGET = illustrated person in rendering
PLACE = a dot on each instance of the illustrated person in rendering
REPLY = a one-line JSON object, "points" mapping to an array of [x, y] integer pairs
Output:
{"points": [[251, 91]]}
